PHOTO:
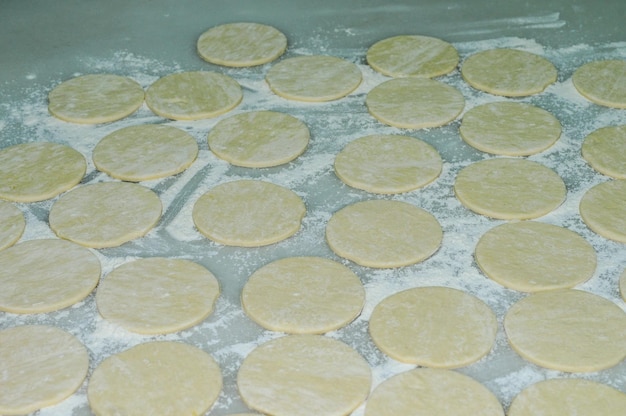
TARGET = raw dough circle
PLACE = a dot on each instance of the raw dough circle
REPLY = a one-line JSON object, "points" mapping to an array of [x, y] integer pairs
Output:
{"points": [[313, 78], [622, 285], [412, 56], [388, 164], [40, 366], [157, 295], [381, 233], [38, 276], [12, 224], [95, 98], [301, 375], [509, 128], [436, 327], [303, 295], [602, 209], [432, 392], [155, 378], [259, 139], [105, 214], [605, 150], [567, 330], [414, 103], [248, 213], [31, 172], [602, 82], [531, 256], [509, 189], [508, 72], [193, 95], [241, 44], [144, 152]]}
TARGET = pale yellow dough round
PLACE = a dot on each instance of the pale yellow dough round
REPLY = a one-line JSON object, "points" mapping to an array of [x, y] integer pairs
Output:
{"points": [[40, 366], [602, 82], [388, 164], [12, 224], [155, 378], [622, 285], [602, 209], [605, 151]]}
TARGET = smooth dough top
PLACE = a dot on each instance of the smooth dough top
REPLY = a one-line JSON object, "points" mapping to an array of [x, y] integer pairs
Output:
{"points": [[602, 82], [12, 224], [605, 150], [602, 209]]}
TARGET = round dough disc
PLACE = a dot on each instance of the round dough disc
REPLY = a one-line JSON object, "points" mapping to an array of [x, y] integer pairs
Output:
{"points": [[38, 276], [157, 295], [248, 213], [241, 44], [509, 189], [105, 214], [95, 98], [602, 209], [381, 233], [602, 82], [313, 78], [40, 366], [303, 295], [510, 128], [144, 152], [567, 330], [531, 256], [12, 224], [388, 164], [414, 103], [171, 378], [304, 375], [605, 150], [259, 139], [435, 327], [193, 95], [31, 172], [508, 72]]}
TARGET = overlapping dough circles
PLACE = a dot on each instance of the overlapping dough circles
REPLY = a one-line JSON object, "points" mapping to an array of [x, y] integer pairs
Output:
{"points": [[531, 256], [301, 375], [31, 172], [509, 128], [155, 378], [430, 392], [412, 56], [193, 95], [602, 82], [259, 139], [508, 72], [303, 295], [248, 213], [567, 330], [241, 44], [105, 214], [313, 78], [12, 224], [144, 152], [40, 366], [414, 103], [381, 233], [602, 209], [509, 189], [388, 164], [605, 150], [157, 295]]}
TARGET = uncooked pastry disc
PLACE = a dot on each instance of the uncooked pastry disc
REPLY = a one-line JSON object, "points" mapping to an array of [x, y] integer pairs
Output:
{"points": [[313, 78], [567, 330], [509, 128], [95, 98], [193, 95], [105, 214], [157, 295], [303, 295], [304, 375], [531, 256], [241, 44], [602, 82], [414, 103], [155, 378], [144, 152], [248, 213], [509, 189], [602, 209], [605, 150], [31, 172], [40, 366], [388, 164], [381, 233], [12, 224], [259, 139]]}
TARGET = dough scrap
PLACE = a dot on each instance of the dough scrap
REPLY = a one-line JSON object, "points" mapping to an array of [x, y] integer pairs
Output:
{"points": [[602, 209], [602, 82], [388, 164], [12, 224], [605, 151]]}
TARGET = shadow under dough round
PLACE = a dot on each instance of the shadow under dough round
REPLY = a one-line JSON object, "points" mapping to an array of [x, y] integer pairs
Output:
{"points": [[605, 151], [602, 209], [602, 82], [12, 224]]}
